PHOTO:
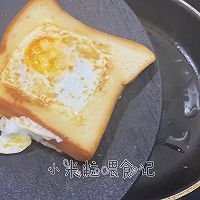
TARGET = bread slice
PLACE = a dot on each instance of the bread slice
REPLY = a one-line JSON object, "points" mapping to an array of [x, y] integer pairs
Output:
{"points": [[81, 130]]}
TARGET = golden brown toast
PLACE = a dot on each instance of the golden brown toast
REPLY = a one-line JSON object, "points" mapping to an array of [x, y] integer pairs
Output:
{"points": [[34, 72]]}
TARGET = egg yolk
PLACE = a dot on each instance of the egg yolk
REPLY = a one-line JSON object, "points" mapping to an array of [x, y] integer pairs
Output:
{"points": [[45, 55]]}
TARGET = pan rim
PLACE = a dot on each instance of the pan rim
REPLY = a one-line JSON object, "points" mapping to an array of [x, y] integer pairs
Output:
{"points": [[184, 192], [196, 185], [188, 7]]}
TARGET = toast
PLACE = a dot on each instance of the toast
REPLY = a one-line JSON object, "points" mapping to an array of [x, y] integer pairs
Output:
{"points": [[74, 97]]}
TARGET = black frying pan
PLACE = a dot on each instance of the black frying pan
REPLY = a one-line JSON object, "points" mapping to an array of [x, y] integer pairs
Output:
{"points": [[174, 29]]}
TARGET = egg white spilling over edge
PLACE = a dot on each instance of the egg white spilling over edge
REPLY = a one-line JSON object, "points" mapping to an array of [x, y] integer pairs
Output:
{"points": [[14, 143], [25, 129]]}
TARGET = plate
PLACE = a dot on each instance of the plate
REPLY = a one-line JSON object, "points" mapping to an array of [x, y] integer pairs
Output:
{"points": [[41, 173]]}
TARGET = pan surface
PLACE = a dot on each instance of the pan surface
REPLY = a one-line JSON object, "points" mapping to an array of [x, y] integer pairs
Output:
{"points": [[39, 173], [173, 27]]}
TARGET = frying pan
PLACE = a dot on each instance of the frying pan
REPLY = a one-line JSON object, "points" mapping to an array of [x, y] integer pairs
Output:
{"points": [[174, 29], [131, 132]]}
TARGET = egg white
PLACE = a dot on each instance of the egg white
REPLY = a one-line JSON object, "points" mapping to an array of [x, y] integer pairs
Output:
{"points": [[9, 145], [23, 129]]}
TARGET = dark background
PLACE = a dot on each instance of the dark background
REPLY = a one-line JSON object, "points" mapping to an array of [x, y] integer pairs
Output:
{"points": [[196, 194], [166, 32]]}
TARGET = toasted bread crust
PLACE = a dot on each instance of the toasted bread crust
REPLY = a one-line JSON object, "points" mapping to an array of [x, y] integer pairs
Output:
{"points": [[14, 108], [66, 146], [79, 142]]}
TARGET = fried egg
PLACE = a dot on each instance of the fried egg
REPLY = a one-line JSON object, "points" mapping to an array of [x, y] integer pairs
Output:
{"points": [[58, 67], [17, 134]]}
